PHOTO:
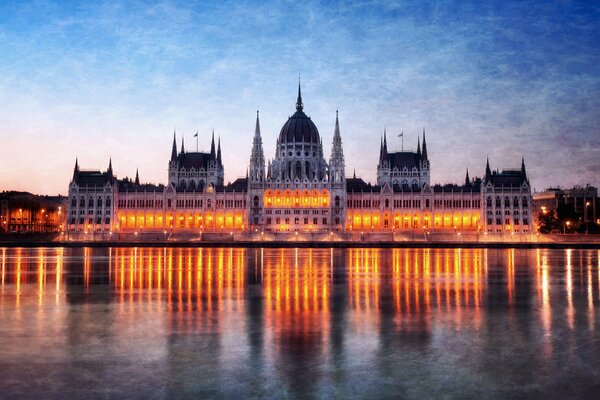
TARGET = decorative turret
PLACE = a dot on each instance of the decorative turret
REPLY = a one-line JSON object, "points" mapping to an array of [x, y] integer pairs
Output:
{"points": [[174, 149], [137, 177], [219, 161], [488, 171], [182, 146], [75, 170], [384, 142], [213, 155], [424, 153], [336, 161], [109, 171], [257, 157], [467, 180]]}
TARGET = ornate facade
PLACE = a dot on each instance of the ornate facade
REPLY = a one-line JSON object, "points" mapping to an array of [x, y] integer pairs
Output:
{"points": [[299, 191]]}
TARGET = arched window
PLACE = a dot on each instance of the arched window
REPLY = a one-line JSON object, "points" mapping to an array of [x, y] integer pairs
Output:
{"points": [[298, 169], [525, 202], [337, 201], [498, 202], [506, 202], [99, 203], [209, 203], [256, 201], [91, 202], [107, 201], [489, 201], [192, 185], [387, 203], [427, 203], [73, 202], [516, 202], [169, 203], [82, 202]]}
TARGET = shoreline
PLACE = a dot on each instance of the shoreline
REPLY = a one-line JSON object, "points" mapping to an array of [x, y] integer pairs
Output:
{"points": [[303, 244]]}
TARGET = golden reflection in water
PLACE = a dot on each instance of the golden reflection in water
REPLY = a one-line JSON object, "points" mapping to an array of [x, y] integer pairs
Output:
{"points": [[569, 286], [543, 289]]}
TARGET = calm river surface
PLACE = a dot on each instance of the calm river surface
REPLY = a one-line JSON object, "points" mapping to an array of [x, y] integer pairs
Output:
{"points": [[284, 323]]}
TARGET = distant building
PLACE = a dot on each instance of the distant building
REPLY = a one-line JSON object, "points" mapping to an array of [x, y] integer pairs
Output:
{"points": [[582, 200], [22, 212], [299, 191]]}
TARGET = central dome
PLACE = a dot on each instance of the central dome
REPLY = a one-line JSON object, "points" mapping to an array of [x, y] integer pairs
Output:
{"points": [[299, 128]]}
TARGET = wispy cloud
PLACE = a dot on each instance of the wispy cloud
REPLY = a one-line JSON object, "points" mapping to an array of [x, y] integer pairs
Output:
{"points": [[103, 79]]}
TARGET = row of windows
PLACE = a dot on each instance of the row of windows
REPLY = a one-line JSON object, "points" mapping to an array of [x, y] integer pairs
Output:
{"points": [[506, 212], [507, 201], [90, 221], [414, 203], [90, 201], [297, 212], [515, 220], [305, 221], [182, 203]]}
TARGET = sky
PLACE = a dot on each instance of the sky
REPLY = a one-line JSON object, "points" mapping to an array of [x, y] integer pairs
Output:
{"points": [[110, 79]]}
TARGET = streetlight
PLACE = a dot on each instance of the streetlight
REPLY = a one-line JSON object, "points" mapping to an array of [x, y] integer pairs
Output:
{"points": [[567, 224], [585, 217]]}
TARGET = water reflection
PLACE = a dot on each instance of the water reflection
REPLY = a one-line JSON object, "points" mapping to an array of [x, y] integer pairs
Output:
{"points": [[310, 322]]}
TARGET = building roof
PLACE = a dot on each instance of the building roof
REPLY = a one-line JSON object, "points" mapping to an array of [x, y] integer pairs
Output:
{"points": [[403, 159], [509, 177], [194, 160], [92, 178]]}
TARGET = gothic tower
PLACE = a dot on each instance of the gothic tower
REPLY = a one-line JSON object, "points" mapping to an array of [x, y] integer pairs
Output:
{"points": [[256, 178], [337, 178]]}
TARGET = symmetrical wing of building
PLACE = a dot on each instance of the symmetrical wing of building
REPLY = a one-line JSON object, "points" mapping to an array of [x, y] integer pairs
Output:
{"points": [[299, 191]]}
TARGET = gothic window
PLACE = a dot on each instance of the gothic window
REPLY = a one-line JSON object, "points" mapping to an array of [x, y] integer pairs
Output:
{"points": [[73, 202], [298, 169], [506, 202], [524, 201], [82, 202], [516, 202], [387, 203], [108, 202], [99, 203], [91, 202], [498, 201], [337, 201], [256, 201], [192, 185], [489, 201], [169, 203], [426, 203], [209, 203]]}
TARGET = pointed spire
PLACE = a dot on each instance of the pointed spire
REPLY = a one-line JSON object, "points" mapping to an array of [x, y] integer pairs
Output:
{"points": [[488, 171], [424, 152], [523, 172], [354, 174], [299, 105], [336, 132], [137, 177], [76, 170], [213, 154], [110, 170], [174, 149], [182, 146], [257, 128], [467, 180], [418, 146], [219, 161]]}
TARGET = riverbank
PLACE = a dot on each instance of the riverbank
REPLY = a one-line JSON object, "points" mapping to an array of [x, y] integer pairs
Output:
{"points": [[303, 244]]}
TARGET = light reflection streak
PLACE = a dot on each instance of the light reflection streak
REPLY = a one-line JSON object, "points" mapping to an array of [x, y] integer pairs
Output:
{"points": [[570, 308]]}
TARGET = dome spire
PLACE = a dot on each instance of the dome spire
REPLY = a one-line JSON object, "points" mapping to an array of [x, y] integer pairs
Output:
{"points": [[299, 105]]}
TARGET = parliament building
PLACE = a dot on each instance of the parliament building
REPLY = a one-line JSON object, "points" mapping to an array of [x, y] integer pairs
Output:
{"points": [[299, 191]]}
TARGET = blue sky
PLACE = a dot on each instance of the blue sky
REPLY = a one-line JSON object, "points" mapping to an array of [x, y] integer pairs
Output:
{"points": [[113, 79]]}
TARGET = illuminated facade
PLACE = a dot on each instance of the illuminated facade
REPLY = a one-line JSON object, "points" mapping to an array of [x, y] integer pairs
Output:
{"points": [[298, 191]]}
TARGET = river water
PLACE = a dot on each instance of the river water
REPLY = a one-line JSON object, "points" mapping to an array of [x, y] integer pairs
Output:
{"points": [[299, 323]]}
